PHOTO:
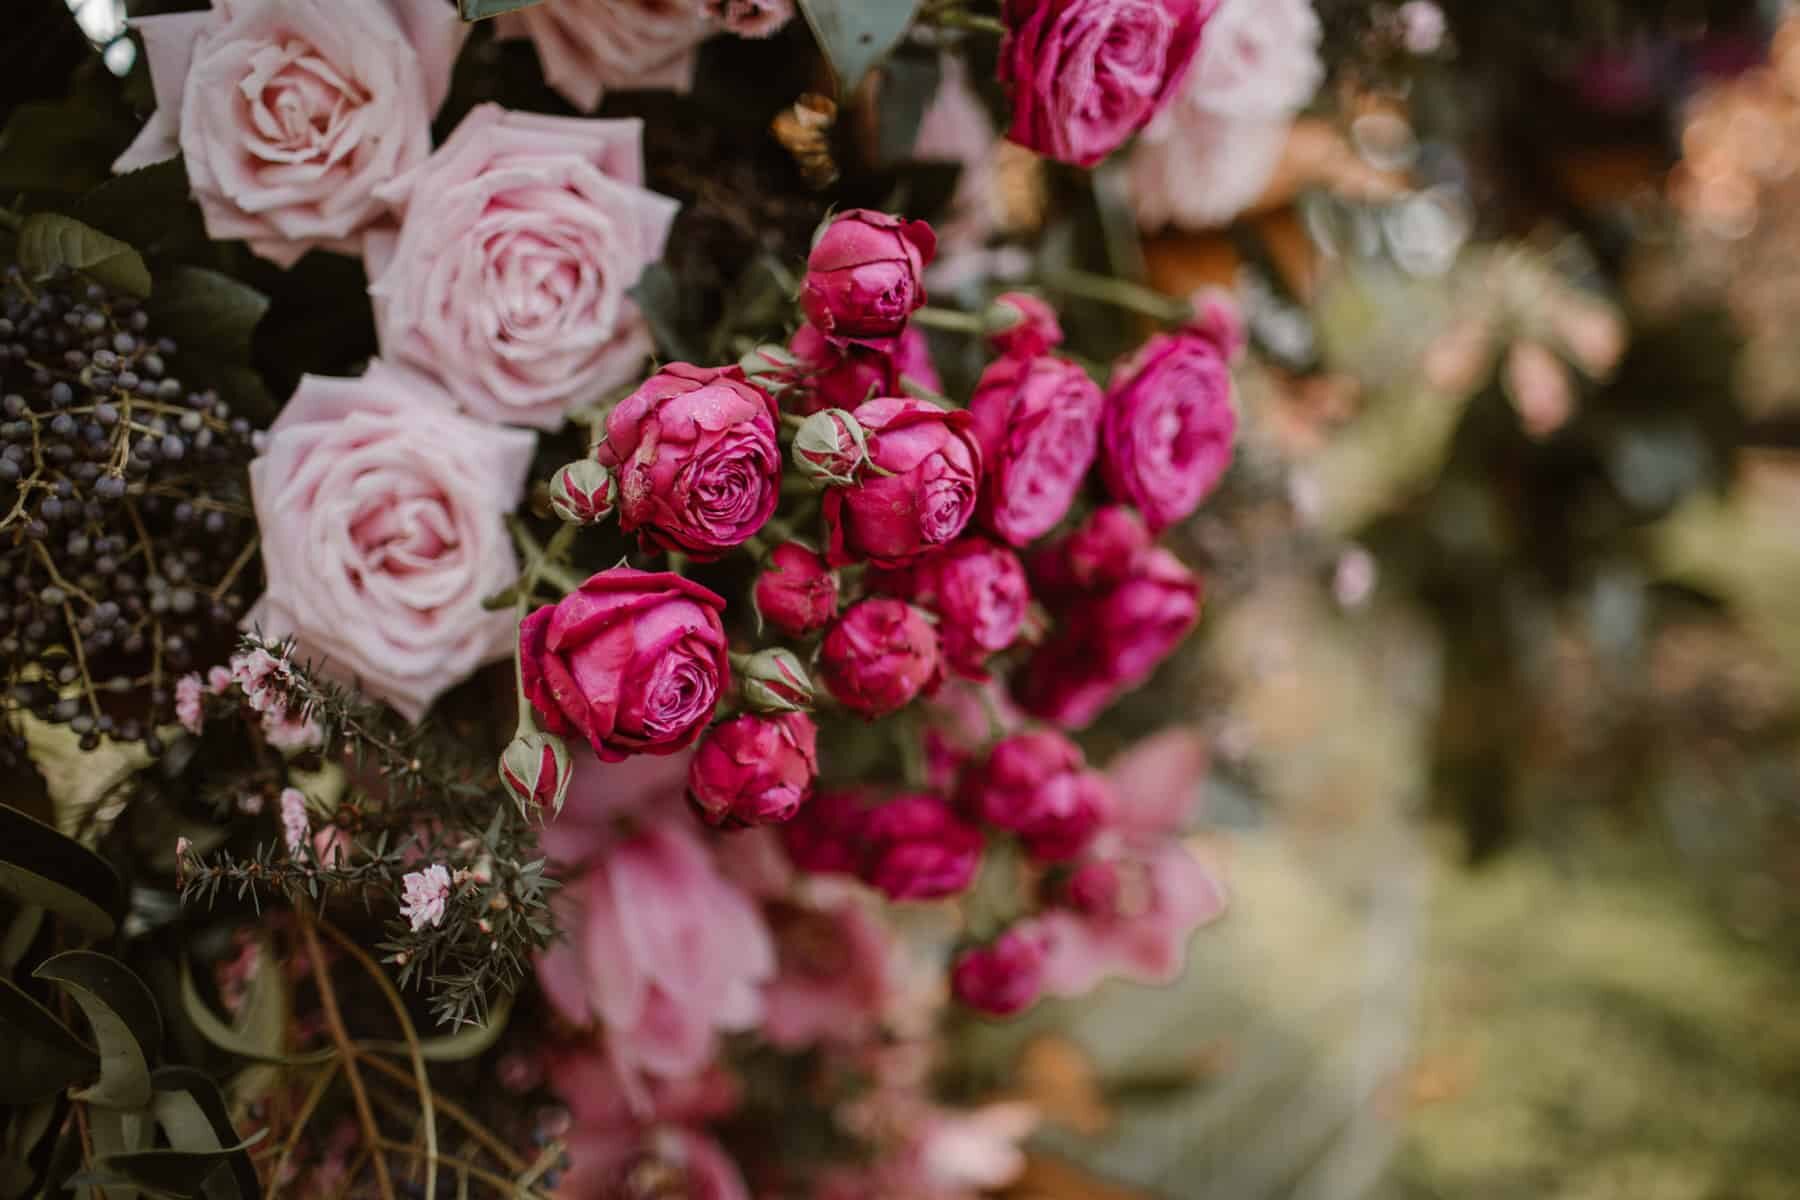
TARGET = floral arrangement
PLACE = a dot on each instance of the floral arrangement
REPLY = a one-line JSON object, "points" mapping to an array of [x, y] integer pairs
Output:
{"points": [[560, 608]]}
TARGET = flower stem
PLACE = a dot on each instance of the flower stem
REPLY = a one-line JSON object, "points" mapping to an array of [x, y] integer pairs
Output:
{"points": [[950, 320], [1121, 293]]}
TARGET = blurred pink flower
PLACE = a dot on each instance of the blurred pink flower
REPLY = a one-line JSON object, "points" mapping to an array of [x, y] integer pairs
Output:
{"points": [[834, 976]]}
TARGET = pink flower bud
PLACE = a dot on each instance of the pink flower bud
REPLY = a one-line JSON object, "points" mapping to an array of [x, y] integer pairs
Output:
{"points": [[916, 848], [1004, 977], [1037, 785], [1093, 889], [773, 681], [796, 592], [831, 449], [879, 656], [978, 591], [1023, 325], [755, 770], [864, 277], [582, 492], [535, 769]]}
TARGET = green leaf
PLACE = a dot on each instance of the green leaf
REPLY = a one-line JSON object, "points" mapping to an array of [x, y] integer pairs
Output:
{"points": [[184, 1173], [250, 1042], [48, 241], [117, 1131], [24, 1135], [470, 1042], [123, 1015], [61, 146], [151, 208], [41, 866], [39, 1055], [857, 34], [207, 309], [192, 1113], [478, 10], [658, 296]]}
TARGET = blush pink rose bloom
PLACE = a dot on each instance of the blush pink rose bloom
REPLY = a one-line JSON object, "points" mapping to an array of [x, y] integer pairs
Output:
{"points": [[1212, 152], [834, 977], [291, 114], [1038, 422], [382, 514], [924, 498], [978, 591], [1084, 75], [519, 240], [1166, 437], [588, 46], [663, 954], [865, 275], [696, 455], [634, 661]]}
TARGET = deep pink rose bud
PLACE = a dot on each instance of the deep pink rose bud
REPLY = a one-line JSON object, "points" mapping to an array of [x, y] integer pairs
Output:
{"points": [[773, 681], [826, 837], [1038, 423], [582, 492], [831, 449], [1167, 434], [1097, 555], [1023, 325], [1002, 978], [917, 848], [755, 770], [1084, 75], [698, 465], [535, 772], [879, 656], [979, 593], [634, 661], [1037, 784], [1093, 889], [922, 494], [827, 374], [796, 593], [1110, 642], [865, 275]]}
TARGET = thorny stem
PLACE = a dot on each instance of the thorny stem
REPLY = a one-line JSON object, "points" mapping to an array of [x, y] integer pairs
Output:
{"points": [[334, 1020]]}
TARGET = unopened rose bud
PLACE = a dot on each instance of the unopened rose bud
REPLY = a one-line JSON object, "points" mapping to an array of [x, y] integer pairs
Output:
{"points": [[769, 361], [831, 448], [1021, 325], [535, 769], [582, 492], [1003, 977], [773, 681]]}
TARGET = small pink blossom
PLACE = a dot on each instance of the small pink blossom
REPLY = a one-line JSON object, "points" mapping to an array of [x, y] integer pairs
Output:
{"points": [[293, 818], [218, 680], [289, 731], [426, 892], [250, 802], [252, 673], [188, 707]]}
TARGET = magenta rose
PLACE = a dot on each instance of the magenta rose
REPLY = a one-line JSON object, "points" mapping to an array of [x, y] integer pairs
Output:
{"points": [[1004, 977], [1166, 437], [1038, 422], [1110, 642], [879, 656], [1084, 75], [921, 497], [796, 592], [826, 374], [1098, 554], [917, 848], [1037, 785], [290, 114], [865, 275], [825, 837], [755, 770], [698, 465], [1035, 330], [978, 591], [634, 661], [520, 240]]}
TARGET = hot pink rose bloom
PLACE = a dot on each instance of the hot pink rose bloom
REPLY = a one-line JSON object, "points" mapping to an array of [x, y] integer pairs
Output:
{"points": [[519, 240], [879, 656], [924, 500], [1084, 75], [1110, 642], [1036, 332], [1037, 784], [633, 661], [755, 770], [978, 590], [834, 975], [382, 519], [796, 592], [865, 275], [917, 848], [1038, 422], [1166, 439], [290, 114], [823, 838], [662, 953], [1097, 555], [829, 375], [698, 464], [1004, 977], [588, 46]]}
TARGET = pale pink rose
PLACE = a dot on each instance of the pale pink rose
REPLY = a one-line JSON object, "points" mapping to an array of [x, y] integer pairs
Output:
{"points": [[425, 893], [189, 709], [1209, 155], [588, 46], [382, 519], [662, 953], [604, 796], [291, 113], [520, 238], [835, 974], [978, 1149]]}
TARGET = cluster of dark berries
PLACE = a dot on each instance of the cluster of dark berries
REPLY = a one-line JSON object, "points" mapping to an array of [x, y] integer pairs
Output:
{"points": [[125, 525]]}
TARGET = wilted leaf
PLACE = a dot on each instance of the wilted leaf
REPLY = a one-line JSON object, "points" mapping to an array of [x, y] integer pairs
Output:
{"points": [[41, 866], [857, 34], [125, 1022], [48, 241]]}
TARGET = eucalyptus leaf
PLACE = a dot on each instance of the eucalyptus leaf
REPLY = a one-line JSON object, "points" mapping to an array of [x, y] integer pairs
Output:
{"points": [[184, 1173], [252, 1043], [125, 1022], [39, 1055], [117, 1131], [479, 10], [21, 931], [48, 241], [857, 34], [24, 1134], [191, 1110], [38, 865]]}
